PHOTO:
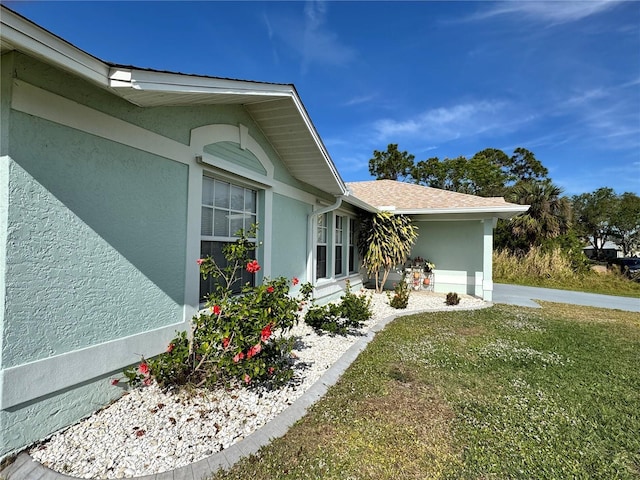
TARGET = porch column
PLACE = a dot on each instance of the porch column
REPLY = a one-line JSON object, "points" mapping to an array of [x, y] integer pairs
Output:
{"points": [[487, 258]]}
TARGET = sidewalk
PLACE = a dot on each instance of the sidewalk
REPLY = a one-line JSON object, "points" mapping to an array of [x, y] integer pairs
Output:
{"points": [[526, 296]]}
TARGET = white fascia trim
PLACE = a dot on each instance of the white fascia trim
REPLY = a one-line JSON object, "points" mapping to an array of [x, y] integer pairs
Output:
{"points": [[29, 38], [177, 82], [491, 211]]}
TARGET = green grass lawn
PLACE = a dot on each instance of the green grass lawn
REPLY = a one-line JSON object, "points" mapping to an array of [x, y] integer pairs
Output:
{"points": [[499, 393]]}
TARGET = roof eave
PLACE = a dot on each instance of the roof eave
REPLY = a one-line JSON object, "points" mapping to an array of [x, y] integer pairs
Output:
{"points": [[19, 33], [500, 212]]}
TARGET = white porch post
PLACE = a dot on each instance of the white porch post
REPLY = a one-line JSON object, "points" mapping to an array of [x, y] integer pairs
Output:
{"points": [[487, 259]]}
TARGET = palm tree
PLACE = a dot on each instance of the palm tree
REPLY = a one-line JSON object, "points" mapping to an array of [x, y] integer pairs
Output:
{"points": [[549, 214]]}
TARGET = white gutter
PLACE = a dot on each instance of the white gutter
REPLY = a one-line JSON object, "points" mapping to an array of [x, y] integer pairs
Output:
{"points": [[311, 238], [427, 211]]}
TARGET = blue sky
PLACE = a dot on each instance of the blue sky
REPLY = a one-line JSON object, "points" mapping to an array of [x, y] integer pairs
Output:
{"points": [[441, 79]]}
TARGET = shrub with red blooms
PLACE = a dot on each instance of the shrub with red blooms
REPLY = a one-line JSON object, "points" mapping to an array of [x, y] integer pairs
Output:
{"points": [[238, 339]]}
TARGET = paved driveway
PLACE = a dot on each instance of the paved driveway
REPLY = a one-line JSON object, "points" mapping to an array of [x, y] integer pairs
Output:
{"points": [[526, 296]]}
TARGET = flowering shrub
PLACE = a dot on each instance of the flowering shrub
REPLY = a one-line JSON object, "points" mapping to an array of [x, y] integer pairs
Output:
{"points": [[238, 338]]}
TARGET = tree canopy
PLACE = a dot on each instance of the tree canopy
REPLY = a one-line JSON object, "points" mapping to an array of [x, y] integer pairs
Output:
{"points": [[521, 178], [392, 164]]}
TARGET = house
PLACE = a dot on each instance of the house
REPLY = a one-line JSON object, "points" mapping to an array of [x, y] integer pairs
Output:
{"points": [[608, 251], [455, 230], [114, 180]]}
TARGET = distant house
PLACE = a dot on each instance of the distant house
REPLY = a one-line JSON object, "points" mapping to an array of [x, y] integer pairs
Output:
{"points": [[609, 251], [114, 180]]}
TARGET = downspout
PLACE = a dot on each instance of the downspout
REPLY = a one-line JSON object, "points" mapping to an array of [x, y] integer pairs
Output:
{"points": [[310, 237]]}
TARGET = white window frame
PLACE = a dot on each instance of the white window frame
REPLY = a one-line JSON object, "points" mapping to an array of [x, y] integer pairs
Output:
{"points": [[352, 253], [338, 244], [322, 238], [251, 213]]}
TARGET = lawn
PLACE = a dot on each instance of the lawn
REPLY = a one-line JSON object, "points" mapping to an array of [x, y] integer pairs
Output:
{"points": [[504, 392]]}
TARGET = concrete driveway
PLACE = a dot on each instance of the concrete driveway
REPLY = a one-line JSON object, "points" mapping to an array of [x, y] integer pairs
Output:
{"points": [[526, 296]]}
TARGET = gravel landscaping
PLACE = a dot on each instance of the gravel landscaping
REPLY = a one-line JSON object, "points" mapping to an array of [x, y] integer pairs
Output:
{"points": [[147, 431]]}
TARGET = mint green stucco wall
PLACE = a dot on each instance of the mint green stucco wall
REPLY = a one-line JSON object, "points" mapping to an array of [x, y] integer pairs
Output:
{"points": [[289, 250], [456, 247], [451, 245], [96, 241]]}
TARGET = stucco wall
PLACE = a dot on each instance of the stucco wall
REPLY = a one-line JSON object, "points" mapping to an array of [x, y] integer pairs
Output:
{"points": [[289, 246], [96, 241], [456, 248]]}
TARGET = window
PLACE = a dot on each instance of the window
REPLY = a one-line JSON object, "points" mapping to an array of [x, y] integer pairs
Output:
{"points": [[352, 245], [226, 208], [338, 245], [321, 249]]}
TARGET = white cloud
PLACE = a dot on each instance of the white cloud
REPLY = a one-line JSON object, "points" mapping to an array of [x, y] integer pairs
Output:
{"points": [[308, 38], [554, 13], [359, 100], [443, 124]]}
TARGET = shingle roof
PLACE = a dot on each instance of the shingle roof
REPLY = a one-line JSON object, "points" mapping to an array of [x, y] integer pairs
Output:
{"points": [[391, 194]]}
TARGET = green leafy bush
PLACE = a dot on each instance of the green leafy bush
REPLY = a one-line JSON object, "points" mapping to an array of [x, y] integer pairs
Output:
{"points": [[452, 298], [339, 318], [400, 298]]}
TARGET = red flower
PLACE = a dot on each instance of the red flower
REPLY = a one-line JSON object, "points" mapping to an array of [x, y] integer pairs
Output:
{"points": [[115, 381], [255, 350], [247, 379], [265, 333], [269, 289], [271, 370], [170, 348], [216, 309], [295, 281], [225, 342], [147, 381], [238, 357], [200, 261], [143, 368], [253, 266]]}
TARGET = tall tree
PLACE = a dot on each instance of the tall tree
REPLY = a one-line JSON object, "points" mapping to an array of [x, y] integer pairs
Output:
{"points": [[385, 241], [549, 214], [625, 223], [431, 172], [592, 215], [523, 166], [392, 164]]}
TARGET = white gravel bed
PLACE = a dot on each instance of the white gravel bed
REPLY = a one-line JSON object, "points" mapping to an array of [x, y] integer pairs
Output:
{"points": [[147, 431]]}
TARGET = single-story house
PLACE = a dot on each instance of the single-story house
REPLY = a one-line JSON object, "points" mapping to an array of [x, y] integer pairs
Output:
{"points": [[114, 180], [608, 251]]}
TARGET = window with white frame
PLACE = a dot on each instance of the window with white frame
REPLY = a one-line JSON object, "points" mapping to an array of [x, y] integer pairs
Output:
{"points": [[352, 245], [339, 231], [226, 208], [321, 246]]}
